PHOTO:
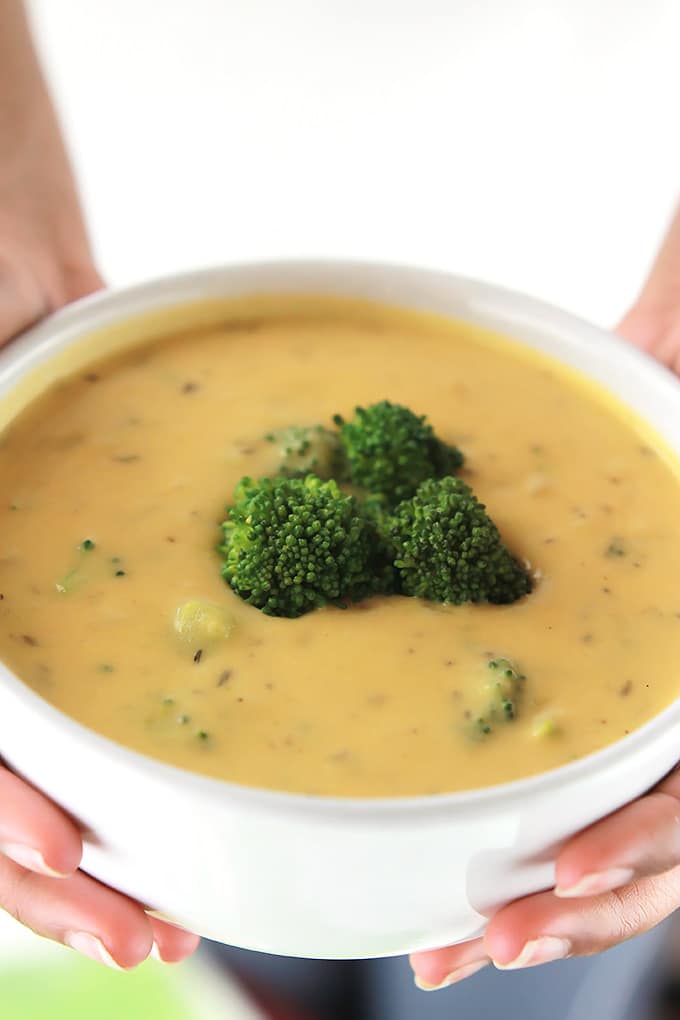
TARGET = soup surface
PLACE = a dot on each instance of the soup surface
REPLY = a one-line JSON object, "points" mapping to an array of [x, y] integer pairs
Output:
{"points": [[113, 484]]}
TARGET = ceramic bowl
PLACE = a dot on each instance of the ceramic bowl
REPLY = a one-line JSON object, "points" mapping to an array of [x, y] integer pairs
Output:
{"points": [[319, 876]]}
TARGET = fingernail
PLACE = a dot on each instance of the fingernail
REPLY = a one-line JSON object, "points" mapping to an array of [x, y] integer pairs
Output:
{"points": [[595, 883], [543, 950], [29, 858], [156, 954], [90, 945], [456, 975]]}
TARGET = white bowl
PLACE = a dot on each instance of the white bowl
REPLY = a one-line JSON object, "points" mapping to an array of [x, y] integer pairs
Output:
{"points": [[321, 876]]}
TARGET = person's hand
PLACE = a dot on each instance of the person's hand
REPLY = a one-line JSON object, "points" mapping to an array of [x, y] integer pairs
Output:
{"points": [[653, 323], [616, 879], [45, 262], [32, 282], [621, 876], [45, 257], [40, 885]]}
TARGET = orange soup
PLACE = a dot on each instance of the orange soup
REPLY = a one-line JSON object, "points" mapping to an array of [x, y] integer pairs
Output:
{"points": [[114, 483]]}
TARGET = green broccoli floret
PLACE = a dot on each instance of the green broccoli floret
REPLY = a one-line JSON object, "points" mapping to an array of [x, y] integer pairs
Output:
{"points": [[294, 544], [447, 549], [496, 701], [306, 449], [389, 451]]}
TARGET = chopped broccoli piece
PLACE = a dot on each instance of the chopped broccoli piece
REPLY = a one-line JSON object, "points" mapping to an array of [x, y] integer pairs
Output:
{"points": [[307, 449], [74, 577], [544, 727], [447, 549], [294, 544], [496, 700], [201, 623], [389, 450], [69, 582], [503, 684]]}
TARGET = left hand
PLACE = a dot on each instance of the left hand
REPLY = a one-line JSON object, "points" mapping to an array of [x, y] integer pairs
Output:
{"points": [[616, 879], [621, 876]]}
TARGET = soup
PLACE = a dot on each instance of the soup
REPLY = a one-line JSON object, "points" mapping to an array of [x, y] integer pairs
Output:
{"points": [[115, 480]]}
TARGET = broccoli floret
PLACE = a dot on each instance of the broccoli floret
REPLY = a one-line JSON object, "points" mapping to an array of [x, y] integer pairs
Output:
{"points": [[504, 686], [306, 449], [447, 549], [389, 450], [496, 701], [294, 544]]}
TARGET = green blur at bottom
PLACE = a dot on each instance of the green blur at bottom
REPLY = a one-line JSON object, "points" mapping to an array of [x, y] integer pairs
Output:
{"points": [[80, 990]]}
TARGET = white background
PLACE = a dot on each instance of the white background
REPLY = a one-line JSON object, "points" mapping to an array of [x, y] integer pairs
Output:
{"points": [[535, 144]]}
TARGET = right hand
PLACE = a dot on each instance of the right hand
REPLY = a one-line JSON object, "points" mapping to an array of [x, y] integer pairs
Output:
{"points": [[40, 847], [40, 885], [45, 262]]}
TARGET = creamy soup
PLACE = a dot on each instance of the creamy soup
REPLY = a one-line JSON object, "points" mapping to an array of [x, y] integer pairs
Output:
{"points": [[113, 484]]}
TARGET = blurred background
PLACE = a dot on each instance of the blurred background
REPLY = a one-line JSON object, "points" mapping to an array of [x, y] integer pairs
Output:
{"points": [[529, 142], [533, 143], [41, 980]]}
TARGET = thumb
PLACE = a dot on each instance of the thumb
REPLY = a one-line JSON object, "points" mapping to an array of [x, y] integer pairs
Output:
{"points": [[653, 322], [656, 331], [79, 281], [22, 300], [644, 327]]}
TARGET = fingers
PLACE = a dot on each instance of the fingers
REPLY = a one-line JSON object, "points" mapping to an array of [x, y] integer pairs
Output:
{"points": [[643, 327], [22, 300], [615, 879], [544, 927], [655, 330], [171, 944], [39, 885], [642, 838], [661, 287], [653, 323], [79, 280], [78, 912], [90, 918], [28, 293], [667, 350], [658, 304], [35, 833], [440, 968], [639, 840]]}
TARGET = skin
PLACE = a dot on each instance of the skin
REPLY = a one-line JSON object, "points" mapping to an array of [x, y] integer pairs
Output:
{"points": [[616, 879], [621, 876], [45, 262]]}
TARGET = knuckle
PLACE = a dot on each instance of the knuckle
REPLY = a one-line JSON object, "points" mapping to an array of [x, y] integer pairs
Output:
{"points": [[632, 912], [15, 895], [641, 905]]}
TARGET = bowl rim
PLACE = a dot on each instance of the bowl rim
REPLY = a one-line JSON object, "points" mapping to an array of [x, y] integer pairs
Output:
{"points": [[127, 302]]}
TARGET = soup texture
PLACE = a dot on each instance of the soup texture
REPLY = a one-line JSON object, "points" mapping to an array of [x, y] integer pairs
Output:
{"points": [[113, 484]]}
